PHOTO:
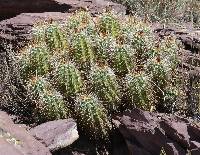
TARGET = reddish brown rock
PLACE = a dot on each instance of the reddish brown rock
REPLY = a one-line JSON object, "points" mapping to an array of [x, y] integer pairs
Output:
{"points": [[10, 8], [177, 131], [189, 36], [15, 140], [194, 132], [174, 149], [195, 144], [195, 151], [56, 134], [146, 133]]}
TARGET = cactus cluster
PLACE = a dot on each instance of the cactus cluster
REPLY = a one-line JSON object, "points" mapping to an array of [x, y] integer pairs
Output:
{"points": [[86, 67]]}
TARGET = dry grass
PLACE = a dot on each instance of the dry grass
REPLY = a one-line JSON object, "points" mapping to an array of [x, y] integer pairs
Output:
{"points": [[165, 11]]}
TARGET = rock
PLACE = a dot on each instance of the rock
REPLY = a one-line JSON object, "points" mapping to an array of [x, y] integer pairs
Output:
{"points": [[195, 151], [174, 149], [194, 132], [10, 8], [4, 118], [82, 146], [56, 134], [146, 133], [195, 144], [85, 146], [15, 140], [190, 37], [8, 149], [177, 131]]}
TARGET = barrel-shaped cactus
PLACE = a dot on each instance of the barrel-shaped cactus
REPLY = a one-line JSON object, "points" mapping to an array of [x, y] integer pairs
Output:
{"points": [[109, 25], [93, 117], [34, 61], [68, 79], [55, 38], [167, 50], [78, 22], [82, 52], [159, 80], [50, 104], [163, 74], [38, 32], [140, 37], [104, 84], [104, 47], [138, 92], [122, 60]]}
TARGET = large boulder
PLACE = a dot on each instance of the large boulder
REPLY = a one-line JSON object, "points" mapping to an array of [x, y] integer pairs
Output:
{"points": [[56, 134], [10, 8], [147, 133], [15, 140]]}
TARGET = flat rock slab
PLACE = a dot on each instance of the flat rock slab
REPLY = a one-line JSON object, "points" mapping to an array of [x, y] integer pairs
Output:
{"points": [[189, 36], [11, 8], [56, 134], [15, 140]]}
